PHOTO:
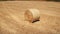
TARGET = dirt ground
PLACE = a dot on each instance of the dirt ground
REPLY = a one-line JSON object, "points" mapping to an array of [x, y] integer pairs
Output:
{"points": [[12, 19]]}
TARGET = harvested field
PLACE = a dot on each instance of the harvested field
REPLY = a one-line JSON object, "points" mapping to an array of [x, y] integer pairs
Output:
{"points": [[12, 19]]}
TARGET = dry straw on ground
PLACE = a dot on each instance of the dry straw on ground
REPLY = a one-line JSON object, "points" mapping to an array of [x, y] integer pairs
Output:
{"points": [[12, 17]]}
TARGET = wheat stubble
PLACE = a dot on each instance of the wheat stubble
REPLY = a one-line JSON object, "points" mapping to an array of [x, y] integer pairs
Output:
{"points": [[12, 18]]}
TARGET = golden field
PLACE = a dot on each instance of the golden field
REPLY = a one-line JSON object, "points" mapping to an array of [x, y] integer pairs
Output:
{"points": [[12, 19]]}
